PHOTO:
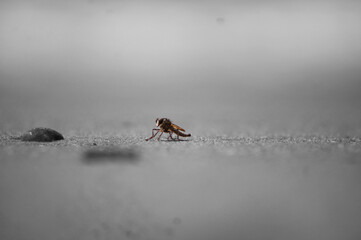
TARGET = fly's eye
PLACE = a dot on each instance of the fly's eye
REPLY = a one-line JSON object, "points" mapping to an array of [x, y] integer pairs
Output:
{"points": [[161, 121], [158, 122]]}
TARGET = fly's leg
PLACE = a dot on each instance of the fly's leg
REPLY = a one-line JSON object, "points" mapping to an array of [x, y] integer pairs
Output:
{"points": [[157, 131], [153, 135], [177, 137], [170, 136], [160, 135]]}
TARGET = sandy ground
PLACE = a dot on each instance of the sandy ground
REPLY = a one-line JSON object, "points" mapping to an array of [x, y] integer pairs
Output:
{"points": [[205, 188], [246, 172]]}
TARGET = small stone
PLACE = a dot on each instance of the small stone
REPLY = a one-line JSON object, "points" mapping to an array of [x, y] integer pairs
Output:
{"points": [[41, 135]]}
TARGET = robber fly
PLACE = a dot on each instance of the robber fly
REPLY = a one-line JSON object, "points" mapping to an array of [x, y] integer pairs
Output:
{"points": [[166, 126]]}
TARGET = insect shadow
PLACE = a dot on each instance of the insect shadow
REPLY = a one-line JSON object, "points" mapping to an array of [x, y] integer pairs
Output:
{"points": [[110, 155]]}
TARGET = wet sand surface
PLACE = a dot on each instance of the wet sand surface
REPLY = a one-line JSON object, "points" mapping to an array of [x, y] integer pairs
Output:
{"points": [[222, 183], [262, 163]]}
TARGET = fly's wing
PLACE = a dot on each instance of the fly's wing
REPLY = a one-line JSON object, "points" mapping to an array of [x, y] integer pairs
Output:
{"points": [[177, 127]]}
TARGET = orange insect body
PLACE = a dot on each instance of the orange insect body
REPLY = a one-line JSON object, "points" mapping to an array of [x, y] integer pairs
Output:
{"points": [[166, 126]]}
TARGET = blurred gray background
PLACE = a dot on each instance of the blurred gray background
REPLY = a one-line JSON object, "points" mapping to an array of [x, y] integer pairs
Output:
{"points": [[226, 71], [276, 66]]}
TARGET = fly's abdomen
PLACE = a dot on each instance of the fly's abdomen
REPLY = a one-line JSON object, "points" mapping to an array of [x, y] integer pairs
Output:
{"points": [[179, 133]]}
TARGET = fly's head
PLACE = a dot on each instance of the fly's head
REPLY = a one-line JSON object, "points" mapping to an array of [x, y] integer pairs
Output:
{"points": [[160, 121]]}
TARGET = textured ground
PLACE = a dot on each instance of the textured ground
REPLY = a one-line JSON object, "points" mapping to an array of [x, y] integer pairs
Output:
{"points": [[261, 163], [266, 187]]}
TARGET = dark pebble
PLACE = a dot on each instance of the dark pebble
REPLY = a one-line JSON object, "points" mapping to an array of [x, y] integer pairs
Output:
{"points": [[41, 135]]}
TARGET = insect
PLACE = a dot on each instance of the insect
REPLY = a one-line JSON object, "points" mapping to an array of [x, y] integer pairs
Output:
{"points": [[166, 126]]}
